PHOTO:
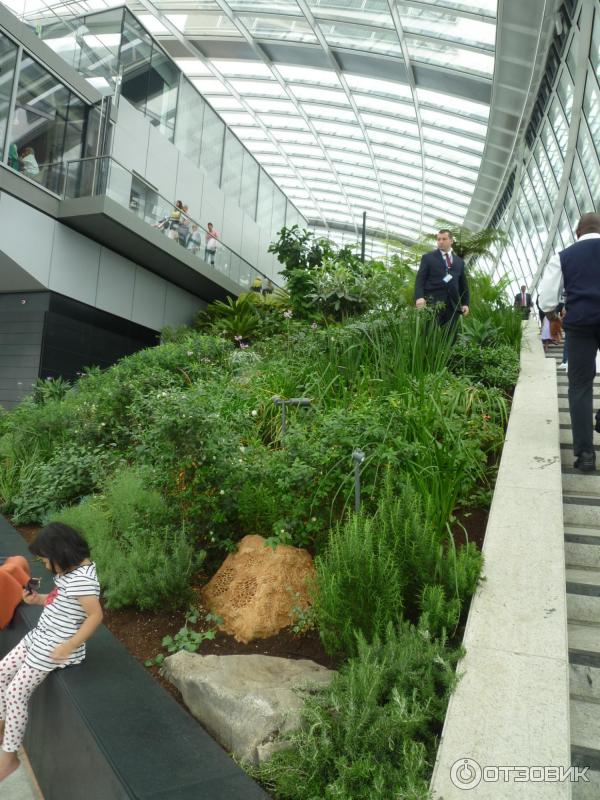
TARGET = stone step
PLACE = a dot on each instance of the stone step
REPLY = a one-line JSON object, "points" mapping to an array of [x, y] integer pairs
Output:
{"points": [[563, 395], [587, 790], [566, 435], [581, 509], [585, 724], [583, 594], [584, 675], [582, 546], [584, 637], [574, 481]]}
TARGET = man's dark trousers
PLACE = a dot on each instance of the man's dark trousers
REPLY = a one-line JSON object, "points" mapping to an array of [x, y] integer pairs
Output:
{"points": [[584, 341]]}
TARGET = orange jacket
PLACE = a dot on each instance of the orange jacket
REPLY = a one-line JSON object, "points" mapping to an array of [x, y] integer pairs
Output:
{"points": [[14, 574]]}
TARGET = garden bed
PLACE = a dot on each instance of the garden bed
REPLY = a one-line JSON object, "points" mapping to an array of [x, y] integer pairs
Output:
{"points": [[142, 632]]}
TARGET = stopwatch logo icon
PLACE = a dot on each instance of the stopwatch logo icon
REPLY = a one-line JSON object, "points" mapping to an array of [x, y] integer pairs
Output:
{"points": [[465, 773]]}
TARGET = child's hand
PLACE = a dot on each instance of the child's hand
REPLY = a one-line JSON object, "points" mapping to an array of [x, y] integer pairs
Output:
{"points": [[62, 651], [33, 598]]}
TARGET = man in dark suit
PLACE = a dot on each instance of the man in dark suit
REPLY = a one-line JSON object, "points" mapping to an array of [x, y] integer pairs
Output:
{"points": [[576, 271], [441, 282], [523, 301]]}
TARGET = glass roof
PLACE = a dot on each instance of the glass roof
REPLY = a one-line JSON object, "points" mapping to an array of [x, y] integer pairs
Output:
{"points": [[384, 119]]}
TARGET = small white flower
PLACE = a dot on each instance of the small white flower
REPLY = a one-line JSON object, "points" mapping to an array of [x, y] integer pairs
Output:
{"points": [[242, 449], [222, 491], [254, 413], [190, 352], [313, 519]]}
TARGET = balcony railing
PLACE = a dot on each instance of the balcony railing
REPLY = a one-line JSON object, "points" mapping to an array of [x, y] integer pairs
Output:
{"points": [[105, 176]]}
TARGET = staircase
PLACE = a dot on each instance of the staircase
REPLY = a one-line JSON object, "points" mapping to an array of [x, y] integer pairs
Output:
{"points": [[581, 513]]}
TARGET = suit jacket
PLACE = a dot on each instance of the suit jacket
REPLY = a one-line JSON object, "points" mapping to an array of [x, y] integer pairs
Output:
{"points": [[528, 303], [430, 282]]}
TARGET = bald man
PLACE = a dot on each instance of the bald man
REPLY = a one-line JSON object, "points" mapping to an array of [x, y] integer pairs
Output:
{"points": [[577, 269]]}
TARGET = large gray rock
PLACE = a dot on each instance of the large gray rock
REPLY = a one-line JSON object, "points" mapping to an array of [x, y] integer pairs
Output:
{"points": [[245, 702]]}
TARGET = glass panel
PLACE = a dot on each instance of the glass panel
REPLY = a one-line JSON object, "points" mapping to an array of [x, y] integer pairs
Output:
{"points": [[573, 54], [361, 37], [231, 175], [188, 127], [264, 212], [571, 209], [432, 23], [565, 230], [589, 160], [447, 55], [452, 122], [249, 190], [559, 125], [278, 218], [595, 48], [291, 29], [41, 132], [8, 59], [565, 92], [438, 100], [135, 55], [211, 153], [557, 244], [540, 192], [580, 187], [163, 82], [549, 160], [529, 225], [591, 109]]}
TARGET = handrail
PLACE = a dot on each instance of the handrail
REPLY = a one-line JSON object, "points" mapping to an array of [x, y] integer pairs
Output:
{"points": [[102, 181]]}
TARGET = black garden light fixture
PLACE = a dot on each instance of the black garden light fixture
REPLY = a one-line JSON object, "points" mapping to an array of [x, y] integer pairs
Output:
{"points": [[358, 457], [299, 402]]}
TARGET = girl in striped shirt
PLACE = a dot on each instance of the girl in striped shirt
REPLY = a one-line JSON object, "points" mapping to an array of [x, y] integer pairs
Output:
{"points": [[71, 614]]}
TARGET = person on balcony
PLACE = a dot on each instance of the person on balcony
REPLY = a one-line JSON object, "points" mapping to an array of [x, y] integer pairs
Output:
{"points": [[195, 239], [29, 164], [211, 242], [184, 227]]}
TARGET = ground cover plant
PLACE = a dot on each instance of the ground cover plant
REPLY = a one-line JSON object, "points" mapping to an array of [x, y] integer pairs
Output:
{"points": [[171, 456]]}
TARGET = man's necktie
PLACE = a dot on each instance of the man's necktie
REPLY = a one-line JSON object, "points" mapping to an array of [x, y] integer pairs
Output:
{"points": [[448, 262], [523, 303]]}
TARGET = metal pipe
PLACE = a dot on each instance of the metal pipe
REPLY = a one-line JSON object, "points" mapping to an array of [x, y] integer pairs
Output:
{"points": [[363, 237]]}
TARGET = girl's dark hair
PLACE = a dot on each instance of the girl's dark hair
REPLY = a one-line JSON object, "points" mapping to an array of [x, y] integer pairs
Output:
{"points": [[62, 545]]}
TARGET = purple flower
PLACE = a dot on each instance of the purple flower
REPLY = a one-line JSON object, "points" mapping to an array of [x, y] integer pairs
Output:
{"points": [[244, 346]]}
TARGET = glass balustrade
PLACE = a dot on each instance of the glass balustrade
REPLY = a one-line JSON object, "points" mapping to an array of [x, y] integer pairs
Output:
{"points": [[104, 176]]}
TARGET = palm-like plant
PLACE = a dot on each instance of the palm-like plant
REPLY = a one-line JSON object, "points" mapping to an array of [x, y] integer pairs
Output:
{"points": [[237, 319], [470, 244]]}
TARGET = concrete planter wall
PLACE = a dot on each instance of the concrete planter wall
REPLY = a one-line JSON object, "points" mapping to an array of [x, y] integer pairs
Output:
{"points": [[511, 707]]}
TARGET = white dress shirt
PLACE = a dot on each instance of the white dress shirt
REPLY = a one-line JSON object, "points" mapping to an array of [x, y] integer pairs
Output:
{"points": [[551, 287]]}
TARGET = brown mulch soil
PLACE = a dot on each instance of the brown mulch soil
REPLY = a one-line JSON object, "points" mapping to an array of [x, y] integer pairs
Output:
{"points": [[142, 632], [470, 526]]}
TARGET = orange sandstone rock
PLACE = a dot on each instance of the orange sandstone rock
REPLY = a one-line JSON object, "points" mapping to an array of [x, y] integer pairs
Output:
{"points": [[256, 588]]}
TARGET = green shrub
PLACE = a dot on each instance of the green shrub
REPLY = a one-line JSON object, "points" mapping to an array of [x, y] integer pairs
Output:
{"points": [[372, 734], [496, 366], [375, 570], [143, 559], [71, 472]]}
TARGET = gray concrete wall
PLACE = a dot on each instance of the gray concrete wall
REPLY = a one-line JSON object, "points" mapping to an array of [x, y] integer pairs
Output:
{"points": [[36, 251], [138, 146]]}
